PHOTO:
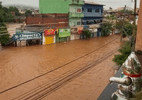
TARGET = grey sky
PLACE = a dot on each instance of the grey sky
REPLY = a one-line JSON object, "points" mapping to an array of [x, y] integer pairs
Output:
{"points": [[108, 3]]}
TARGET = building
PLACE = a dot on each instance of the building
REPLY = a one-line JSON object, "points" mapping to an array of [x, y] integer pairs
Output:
{"points": [[21, 11], [71, 7], [139, 30], [53, 6], [36, 11], [93, 15], [75, 16], [49, 20]]}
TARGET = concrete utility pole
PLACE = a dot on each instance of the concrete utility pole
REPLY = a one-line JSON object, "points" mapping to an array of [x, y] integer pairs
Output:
{"points": [[123, 22], [0, 46], [133, 39]]}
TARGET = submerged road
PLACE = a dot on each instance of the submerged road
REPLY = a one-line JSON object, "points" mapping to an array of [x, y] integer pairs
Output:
{"points": [[51, 72]]}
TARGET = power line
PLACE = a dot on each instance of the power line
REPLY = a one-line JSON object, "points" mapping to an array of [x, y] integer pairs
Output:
{"points": [[57, 67]]}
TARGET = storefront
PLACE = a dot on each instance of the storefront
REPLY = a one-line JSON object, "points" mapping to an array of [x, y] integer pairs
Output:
{"points": [[76, 32], [62, 35], [23, 39], [49, 36]]}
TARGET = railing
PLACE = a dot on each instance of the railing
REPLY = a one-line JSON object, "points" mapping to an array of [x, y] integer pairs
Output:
{"points": [[78, 2], [78, 15]]}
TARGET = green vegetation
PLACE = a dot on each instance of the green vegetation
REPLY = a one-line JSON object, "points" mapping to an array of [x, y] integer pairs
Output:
{"points": [[106, 28], [5, 17], [11, 8], [109, 26], [127, 11], [87, 33], [125, 52], [125, 28], [28, 12], [4, 37]]}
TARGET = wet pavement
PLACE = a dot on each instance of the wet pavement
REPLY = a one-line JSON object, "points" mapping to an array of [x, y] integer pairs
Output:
{"points": [[24, 69]]}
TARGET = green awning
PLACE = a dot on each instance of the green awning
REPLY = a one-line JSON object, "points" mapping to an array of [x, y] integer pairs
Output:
{"points": [[64, 32]]}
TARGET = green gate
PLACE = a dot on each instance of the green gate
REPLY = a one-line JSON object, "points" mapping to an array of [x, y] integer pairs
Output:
{"points": [[60, 39]]}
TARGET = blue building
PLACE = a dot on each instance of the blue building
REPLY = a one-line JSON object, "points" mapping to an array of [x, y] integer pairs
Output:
{"points": [[93, 14]]}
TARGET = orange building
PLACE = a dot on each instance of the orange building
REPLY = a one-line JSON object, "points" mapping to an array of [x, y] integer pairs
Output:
{"points": [[139, 30]]}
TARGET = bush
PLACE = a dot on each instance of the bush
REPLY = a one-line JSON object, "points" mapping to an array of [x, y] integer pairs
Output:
{"points": [[87, 33], [106, 28], [125, 52]]}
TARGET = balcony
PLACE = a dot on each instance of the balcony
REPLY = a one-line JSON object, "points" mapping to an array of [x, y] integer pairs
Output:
{"points": [[76, 2], [76, 15]]}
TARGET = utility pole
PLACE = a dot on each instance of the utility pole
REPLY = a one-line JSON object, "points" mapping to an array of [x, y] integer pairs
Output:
{"points": [[123, 22], [133, 39], [0, 46]]}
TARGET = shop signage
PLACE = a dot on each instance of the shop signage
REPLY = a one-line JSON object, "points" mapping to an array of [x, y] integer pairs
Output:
{"points": [[80, 31], [64, 32], [27, 36], [50, 32]]}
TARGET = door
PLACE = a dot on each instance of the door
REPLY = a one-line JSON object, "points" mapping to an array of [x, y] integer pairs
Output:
{"points": [[60, 39], [49, 39]]}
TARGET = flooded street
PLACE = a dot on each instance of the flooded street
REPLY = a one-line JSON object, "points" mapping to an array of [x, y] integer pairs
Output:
{"points": [[26, 70]]}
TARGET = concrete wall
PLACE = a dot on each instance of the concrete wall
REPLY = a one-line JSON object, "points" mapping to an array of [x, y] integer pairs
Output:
{"points": [[53, 20], [11, 28], [53, 6], [139, 30]]}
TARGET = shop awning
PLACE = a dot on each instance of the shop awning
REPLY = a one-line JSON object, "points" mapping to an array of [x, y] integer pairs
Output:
{"points": [[49, 32], [64, 32]]}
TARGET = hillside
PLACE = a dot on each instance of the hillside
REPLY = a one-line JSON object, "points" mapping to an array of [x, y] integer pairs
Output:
{"points": [[22, 7]]}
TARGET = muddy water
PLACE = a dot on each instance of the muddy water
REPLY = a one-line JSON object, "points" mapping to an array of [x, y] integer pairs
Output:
{"points": [[18, 65]]}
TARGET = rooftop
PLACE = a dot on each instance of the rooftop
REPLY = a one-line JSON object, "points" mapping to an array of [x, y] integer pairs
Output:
{"points": [[93, 3]]}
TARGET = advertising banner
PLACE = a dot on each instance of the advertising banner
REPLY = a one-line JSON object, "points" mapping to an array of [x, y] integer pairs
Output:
{"points": [[64, 32], [80, 31], [49, 32], [27, 36]]}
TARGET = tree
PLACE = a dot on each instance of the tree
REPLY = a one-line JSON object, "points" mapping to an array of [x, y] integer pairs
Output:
{"points": [[109, 26], [11, 8], [125, 28], [4, 37], [87, 33], [127, 11], [28, 12], [106, 28], [5, 16], [125, 52]]}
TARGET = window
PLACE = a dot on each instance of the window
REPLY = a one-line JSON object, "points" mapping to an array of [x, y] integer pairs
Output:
{"points": [[82, 9], [101, 10], [97, 10], [78, 23], [90, 10], [78, 10], [88, 22], [83, 22]]}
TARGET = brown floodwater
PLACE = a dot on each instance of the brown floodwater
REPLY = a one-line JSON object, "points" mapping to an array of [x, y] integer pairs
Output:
{"points": [[20, 64]]}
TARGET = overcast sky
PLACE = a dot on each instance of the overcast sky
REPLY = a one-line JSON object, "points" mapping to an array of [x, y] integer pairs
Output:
{"points": [[108, 3]]}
